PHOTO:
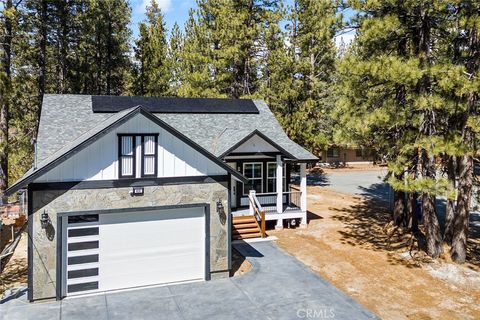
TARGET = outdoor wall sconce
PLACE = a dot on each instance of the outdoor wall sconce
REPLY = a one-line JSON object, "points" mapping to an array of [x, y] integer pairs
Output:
{"points": [[44, 220], [221, 212]]}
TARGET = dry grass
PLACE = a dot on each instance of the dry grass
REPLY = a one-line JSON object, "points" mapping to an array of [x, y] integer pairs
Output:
{"points": [[350, 243]]}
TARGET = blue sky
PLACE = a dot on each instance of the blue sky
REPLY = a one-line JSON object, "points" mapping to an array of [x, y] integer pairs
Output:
{"points": [[174, 11], [177, 11]]}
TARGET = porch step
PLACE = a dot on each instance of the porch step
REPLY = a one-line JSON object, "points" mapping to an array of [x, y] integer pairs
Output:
{"points": [[245, 227]]}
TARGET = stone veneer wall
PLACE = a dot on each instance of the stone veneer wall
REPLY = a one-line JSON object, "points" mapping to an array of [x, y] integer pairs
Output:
{"points": [[53, 201]]}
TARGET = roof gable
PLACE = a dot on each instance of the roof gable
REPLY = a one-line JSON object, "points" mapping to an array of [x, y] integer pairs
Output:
{"points": [[98, 132], [256, 142]]}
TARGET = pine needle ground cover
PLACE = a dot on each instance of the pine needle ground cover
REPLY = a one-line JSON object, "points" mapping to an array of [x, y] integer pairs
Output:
{"points": [[351, 242]]}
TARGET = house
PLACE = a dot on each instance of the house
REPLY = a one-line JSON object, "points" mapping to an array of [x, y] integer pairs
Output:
{"points": [[347, 155], [136, 191]]}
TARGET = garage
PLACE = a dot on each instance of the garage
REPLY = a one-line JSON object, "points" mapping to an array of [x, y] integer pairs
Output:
{"points": [[122, 249]]}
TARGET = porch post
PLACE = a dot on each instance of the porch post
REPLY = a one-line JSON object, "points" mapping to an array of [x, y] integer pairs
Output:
{"points": [[303, 196], [251, 195], [279, 183], [303, 186]]}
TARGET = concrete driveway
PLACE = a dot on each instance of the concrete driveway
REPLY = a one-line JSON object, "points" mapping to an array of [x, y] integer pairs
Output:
{"points": [[277, 287]]}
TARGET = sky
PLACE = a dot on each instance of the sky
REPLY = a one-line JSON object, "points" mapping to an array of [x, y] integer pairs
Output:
{"points": [[177, 11]]}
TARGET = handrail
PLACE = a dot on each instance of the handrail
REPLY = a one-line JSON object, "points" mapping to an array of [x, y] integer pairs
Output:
{"points": [[259, 213], [274, 193], [292, 192]]}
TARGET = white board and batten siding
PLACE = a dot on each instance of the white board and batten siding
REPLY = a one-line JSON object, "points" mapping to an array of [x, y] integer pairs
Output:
{"points": [[255, 144], [99, 160]]}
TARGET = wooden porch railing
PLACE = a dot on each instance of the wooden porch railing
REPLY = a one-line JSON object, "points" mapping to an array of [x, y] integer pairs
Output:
{"points": [[268, 201], [293, 198], [258, 212]]}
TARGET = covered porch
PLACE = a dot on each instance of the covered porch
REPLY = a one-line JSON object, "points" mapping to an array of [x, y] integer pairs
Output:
{"points": [[267, 195], [286, 207]]}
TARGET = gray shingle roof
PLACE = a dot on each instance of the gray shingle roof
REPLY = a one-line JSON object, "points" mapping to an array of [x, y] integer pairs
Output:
{"points": [[64, 118]]}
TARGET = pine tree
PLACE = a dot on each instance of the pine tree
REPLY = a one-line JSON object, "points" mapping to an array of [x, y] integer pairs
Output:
{"points": [[405, 93], [103, 46], [197, 76], [8, 17], [174, 58], [313, 27], [151, 55]]}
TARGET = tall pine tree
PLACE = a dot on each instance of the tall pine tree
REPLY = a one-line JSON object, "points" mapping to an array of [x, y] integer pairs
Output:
{"points": [[153, 78]]}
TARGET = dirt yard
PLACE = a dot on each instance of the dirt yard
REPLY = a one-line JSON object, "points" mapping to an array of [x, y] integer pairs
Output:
{"points": [[15, 273], [347, 243]]}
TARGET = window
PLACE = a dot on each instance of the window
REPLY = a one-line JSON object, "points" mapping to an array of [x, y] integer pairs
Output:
{"points": [[272, 177], [359, 153], [149, 153], [253, 171], [333, 153], [148, 144], [127, 156]]}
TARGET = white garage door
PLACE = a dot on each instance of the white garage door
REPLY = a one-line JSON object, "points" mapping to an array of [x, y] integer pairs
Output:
{"points": [[133, 249]]}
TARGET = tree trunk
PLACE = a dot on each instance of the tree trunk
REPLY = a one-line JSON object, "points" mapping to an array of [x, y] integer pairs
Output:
{"points": [[432, 227], [412, 207], [458, 250], [433, 232], [399, 208], [4, 99], [450, 207]]}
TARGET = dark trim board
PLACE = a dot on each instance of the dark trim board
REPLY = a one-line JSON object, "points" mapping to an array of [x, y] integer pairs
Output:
{"points": [[229, 221], [61, 215], [30, 244], [125, 183]]}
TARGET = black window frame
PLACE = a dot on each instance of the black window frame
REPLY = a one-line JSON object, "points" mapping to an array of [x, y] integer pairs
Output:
{"points": [[284, 177], [134, 156], [155, 155], [261, 178]]}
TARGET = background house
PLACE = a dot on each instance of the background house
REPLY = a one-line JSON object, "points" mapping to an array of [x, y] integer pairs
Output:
{"points": [[338, 155]]}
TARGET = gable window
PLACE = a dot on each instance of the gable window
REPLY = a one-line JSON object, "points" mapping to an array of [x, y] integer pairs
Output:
{"points": [[149, 155], [333, 153], [147, 144], [127, 156], [272, 177], [253, 171]]}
